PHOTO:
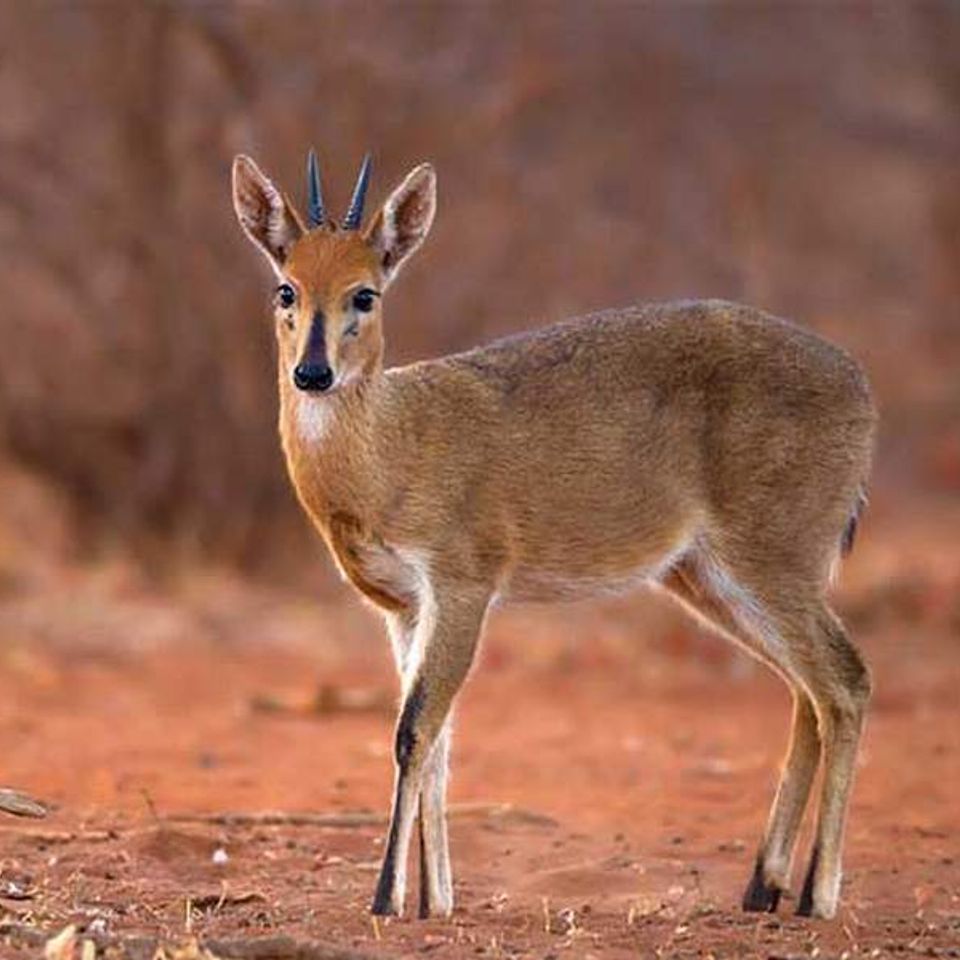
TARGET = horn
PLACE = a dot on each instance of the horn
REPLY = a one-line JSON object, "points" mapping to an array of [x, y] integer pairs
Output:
{"points": [[315, 197], [355, 214]]}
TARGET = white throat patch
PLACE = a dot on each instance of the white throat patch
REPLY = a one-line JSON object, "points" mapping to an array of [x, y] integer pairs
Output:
{"points": [[313, 417]]}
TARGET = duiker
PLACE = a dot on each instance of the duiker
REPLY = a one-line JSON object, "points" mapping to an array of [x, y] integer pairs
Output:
{"points": [[706, 448]]}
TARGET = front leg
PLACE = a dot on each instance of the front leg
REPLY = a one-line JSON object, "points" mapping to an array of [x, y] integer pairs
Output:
{"points": [[445, 640], [436, 885], [436, 881]]}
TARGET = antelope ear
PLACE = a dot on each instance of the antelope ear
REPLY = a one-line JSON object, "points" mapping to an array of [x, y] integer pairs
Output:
{"points": [[404, 222], [265, 214]]}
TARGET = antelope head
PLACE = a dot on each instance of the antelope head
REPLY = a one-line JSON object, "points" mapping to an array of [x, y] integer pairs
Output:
{"points": [[331, 276]]}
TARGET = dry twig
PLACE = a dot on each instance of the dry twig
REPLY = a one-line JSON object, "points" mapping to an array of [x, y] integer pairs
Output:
{"points": [[20, 805]]}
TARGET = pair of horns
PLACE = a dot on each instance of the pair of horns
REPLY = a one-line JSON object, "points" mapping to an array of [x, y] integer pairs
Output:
{"points": [[315, 211]]}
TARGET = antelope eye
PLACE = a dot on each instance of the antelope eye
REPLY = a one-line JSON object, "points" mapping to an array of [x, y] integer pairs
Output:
{"points": [[363, 300], [286, 295]]}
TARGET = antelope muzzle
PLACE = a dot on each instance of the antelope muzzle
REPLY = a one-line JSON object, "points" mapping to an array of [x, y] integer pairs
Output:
{"points": [[313, 373]]}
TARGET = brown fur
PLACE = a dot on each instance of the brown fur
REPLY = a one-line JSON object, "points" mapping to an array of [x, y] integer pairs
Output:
{"points": [[703, 446]]}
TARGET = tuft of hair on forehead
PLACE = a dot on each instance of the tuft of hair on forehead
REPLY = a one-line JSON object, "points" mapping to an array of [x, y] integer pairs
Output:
{"points": [[323, 258]]}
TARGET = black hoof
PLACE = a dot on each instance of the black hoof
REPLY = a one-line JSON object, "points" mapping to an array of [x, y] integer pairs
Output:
{"points": [[382, 908], [805, 906], [383, 899], [760, 896]]}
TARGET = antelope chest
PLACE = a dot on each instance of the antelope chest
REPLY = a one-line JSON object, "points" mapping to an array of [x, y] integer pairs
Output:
{"points": [[392, 577]]}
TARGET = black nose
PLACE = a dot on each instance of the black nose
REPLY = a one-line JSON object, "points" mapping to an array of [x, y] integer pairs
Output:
{"points": [[312, 376]]}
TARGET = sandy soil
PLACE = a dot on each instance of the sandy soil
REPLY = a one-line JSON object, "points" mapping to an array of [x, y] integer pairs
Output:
{"points": [[607, 794]]}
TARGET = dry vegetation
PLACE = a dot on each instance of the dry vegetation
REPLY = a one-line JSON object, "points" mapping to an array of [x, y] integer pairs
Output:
{"points": [[802, 158]]}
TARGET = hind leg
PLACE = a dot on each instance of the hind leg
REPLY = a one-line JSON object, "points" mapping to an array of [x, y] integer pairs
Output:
{"points": [[840, 686], [700, 592], [793, 629], [771, 874]]}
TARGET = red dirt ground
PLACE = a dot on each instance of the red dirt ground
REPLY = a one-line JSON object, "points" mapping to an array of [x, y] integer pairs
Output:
{"points": [[608, 790]]}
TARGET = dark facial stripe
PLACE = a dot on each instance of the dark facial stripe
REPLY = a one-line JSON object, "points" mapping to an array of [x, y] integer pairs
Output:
{"points": [[315, 351]]}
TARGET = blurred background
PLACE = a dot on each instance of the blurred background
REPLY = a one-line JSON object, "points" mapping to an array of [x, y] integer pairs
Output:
{"points": [[162, 599], [800, 157]]}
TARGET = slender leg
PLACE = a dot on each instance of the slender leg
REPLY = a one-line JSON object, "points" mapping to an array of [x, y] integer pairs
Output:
{"points": [[772, 872], [445, 640], [841, 690], [436, 883], [436, 886], [401, 628], [821, 660]]}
